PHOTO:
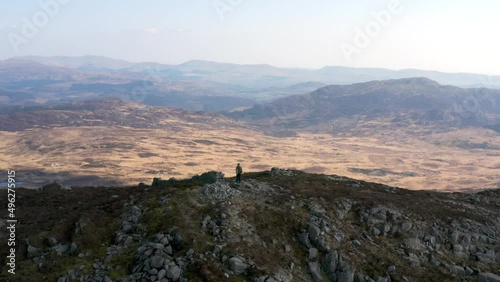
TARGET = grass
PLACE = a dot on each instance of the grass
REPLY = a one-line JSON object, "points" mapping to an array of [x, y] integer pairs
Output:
{"points": [[458, 168]]}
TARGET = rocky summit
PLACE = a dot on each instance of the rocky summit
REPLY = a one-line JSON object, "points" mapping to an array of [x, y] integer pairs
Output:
{"points": [[277, 225]]}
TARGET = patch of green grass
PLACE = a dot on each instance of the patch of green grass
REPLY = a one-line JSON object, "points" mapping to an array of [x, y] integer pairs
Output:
{"points": [[125, 260]]}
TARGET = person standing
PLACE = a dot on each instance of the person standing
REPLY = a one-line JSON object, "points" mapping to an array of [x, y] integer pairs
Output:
{"points": [[239, 171]]}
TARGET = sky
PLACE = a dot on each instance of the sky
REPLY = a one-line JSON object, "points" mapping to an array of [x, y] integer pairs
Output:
{"points": [[445, 35]]}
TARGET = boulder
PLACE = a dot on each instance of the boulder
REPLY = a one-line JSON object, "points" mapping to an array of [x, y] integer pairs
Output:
{"points": [[314, 233], [413, 244], [60, 249], [157, 246], [488, 277], [174, 273], [161, 274], [313, 253], [331, 262], [315, 270], [157, 262], [237, 266]]}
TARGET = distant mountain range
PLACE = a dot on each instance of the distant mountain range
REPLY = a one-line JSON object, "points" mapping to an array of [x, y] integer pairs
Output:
{"points": [[262, 75], [194, 85]]}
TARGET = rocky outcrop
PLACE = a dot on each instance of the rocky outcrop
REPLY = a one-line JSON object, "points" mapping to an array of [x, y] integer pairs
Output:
{"points": [[288, 226]]}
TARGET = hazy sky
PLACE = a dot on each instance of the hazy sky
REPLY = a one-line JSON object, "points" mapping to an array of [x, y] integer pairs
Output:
{"points": [[446, 35]]}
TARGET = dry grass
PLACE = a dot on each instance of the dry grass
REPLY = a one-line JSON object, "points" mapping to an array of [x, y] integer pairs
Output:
{"points": [[137, 155]]}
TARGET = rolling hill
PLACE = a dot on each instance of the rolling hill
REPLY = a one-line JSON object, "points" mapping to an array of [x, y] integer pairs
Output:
{"points": [[371, 106], [113, 141]]}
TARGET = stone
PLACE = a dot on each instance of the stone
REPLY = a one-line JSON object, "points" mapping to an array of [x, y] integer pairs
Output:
{"points": [[237, 266], [174, 273], [164, 241], [52, 241], [430, 239], [488, 277], [32, 251], [468, 271], [157, 262], [157, 246], [486, 258], [331, 262], [73, 248], [168, 250], [62, 279], [314, 233], [345, 276], [60, 249], [456, 269], [161, 274], [127, 227], [413, 260], [190, 252], [304, 239], [315, 270], [406, 226], [413, 244], [391, 269], [458, 248], [313, 253]]}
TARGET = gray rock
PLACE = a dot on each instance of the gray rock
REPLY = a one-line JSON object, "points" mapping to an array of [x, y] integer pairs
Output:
{"points": [[314, 233], [430, 239], [315, 270], [468, 270], [174, 273], [313, 253], [486, 258], [289, 249], [153, 271], [60, 249], [345, 276], [164, 241], [458, 248], [359, 277], [406, 226], [168, 250], [157, 246], [488, 277], [32, 251], [161, 274], [190, 252], [413, 244], [391, 269], [456, 269], [413, 260], [52, 241], [157, 262], [304, 239], [127, 227], [331, 263], [72, 248], [237, 266], [62, 279]]}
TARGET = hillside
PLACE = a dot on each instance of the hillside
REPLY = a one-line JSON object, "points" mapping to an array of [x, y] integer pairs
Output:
{"points": [[278, 225], [112, 141], [393, 104]]}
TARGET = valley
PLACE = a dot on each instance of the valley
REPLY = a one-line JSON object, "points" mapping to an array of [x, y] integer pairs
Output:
{"points": [[118, 148]]}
